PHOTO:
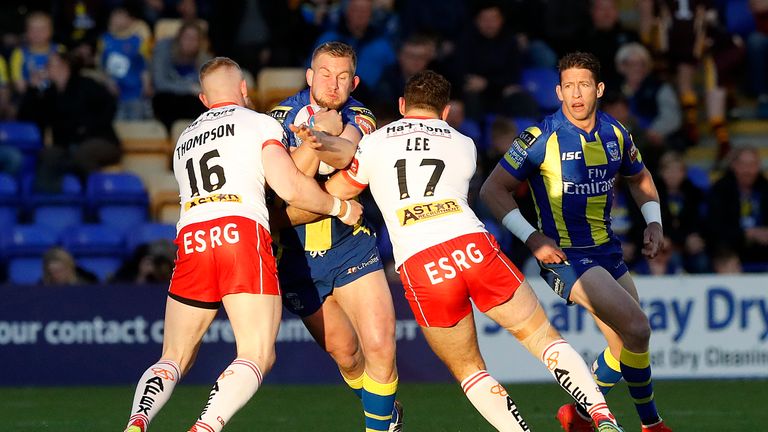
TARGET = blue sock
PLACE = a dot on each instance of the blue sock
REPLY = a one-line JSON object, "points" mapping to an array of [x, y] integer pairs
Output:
{"points": [[636, 369], [378, 403]]}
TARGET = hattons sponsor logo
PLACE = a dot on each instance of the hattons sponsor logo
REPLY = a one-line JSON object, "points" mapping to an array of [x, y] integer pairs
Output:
{"points": [[212, 198], [425, 211], [613, 150], [373, 260]]}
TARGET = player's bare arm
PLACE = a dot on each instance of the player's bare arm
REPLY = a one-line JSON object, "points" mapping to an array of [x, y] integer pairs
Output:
{"points": [[302, 191], [337, 186], [498, 194], [646, 196]]}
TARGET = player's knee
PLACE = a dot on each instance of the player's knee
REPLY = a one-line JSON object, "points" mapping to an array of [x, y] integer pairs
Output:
{"points": [[264, 359], [347, 355], [637, 333]]}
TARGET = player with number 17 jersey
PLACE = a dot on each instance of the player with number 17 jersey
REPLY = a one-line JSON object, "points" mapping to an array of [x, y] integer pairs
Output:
{"points": [[437, 239]]}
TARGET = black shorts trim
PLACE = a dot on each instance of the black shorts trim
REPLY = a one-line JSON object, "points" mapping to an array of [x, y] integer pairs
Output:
{"points": [[195, 303]]}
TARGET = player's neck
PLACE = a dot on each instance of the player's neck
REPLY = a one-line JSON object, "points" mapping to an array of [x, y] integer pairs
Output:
{"points": [[587, 125], [421, 114]]}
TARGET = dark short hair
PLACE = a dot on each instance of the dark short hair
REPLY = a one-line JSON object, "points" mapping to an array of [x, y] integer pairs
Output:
{"points": [[336, 49], [580, 60], [427, 90]]}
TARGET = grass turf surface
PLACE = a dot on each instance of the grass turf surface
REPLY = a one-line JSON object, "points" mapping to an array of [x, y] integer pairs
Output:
{"points": [[701, 406]]}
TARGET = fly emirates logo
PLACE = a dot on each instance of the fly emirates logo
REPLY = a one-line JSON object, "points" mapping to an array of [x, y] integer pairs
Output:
{"points": [[597, 185]]}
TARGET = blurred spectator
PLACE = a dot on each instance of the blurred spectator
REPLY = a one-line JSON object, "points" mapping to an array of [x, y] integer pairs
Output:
{"points": [[78, 24], [29, 60], [374, 52], [7, 110], [726, 261], [59, 268], [665, 263], [738, 208], [627, 223], [757, 46], [260, 33], [458, 120], [413, 56], [150, 263], [652, 101], [605, 38], [175, 65], [694, 40], [564, 23], [124, 57], [616, 104], [446, 26], [490, 64], [79, 113], [681, 212]]}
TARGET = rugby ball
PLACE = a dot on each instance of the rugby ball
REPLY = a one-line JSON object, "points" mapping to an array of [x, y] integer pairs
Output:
{"points": [[306, 116]]}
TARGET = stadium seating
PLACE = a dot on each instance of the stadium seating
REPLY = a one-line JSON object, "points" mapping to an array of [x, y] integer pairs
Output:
{"points": [[274, 84], [57, 211], [96, 248], [738, 18], [26, 137], [177, 128], [22, 248], [541, 83], [117, 199], [9, 192], [149, 232]]}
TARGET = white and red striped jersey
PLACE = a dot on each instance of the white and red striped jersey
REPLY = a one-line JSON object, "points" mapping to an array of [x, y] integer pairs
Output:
{"points": [[418, 170], [217, 163]]}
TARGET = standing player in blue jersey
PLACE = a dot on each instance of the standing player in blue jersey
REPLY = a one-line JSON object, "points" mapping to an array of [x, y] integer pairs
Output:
{"points": [[570, 161], [331, 275]]}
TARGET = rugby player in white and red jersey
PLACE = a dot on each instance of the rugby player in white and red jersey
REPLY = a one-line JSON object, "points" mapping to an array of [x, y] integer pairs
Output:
{"points": [[418, 169], [221, 162]]}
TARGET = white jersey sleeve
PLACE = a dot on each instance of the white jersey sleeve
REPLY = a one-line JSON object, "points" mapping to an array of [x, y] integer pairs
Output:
{"points": [[218, 165], [419, 172]]}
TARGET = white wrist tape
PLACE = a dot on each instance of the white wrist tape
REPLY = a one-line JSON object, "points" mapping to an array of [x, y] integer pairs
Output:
{"points": [[517, 225], [336, 208], [347, 212], [651, 212]]}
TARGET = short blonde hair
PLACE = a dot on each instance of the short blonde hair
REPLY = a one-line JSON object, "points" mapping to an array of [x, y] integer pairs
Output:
{"points": [[217, 63], [336, 49]]}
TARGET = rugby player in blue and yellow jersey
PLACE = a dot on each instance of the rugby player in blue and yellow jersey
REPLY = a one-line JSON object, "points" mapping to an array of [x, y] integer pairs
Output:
{"points": [[571, 160], [331, 275]]}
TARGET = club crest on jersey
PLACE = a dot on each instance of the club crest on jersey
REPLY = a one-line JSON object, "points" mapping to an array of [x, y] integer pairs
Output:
{"points": [[613, 150], [415, 213]]}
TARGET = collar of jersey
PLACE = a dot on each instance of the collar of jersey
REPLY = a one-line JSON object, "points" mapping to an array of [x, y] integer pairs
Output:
{"points": [[222, 104], [420, 117]]}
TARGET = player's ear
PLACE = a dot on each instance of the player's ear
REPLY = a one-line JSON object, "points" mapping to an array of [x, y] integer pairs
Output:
{"points": [[446, 110], [600, 89], [559, 92], [355, 82], [203, 99], [401, 105], [310, 74]]}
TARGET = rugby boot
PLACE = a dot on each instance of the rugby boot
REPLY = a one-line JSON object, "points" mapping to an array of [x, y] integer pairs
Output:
{"points": [[606, 424], [658, 427], [136, 425], [397, 422], [572, 421]]}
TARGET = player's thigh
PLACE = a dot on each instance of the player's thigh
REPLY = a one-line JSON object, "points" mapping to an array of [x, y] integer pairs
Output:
{"points": [[456, 347], [183, 330], [629, 286], [598, 292], [368, 303], [255, 320], [332, 329], [517, 310]]}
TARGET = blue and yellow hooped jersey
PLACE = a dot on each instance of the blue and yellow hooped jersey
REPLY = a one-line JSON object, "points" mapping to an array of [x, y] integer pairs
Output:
{"points": [[321, 235], [24, 61], [571, 174]]}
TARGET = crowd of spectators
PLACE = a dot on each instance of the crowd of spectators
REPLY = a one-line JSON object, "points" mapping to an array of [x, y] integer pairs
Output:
{"points": [[73, 67]]}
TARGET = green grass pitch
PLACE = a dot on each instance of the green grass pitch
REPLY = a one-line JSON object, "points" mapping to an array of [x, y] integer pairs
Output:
{"points": [[698, 406]]}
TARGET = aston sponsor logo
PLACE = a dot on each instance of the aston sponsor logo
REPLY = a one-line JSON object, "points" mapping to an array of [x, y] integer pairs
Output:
{"points": [[212, 198], [426, 211]]}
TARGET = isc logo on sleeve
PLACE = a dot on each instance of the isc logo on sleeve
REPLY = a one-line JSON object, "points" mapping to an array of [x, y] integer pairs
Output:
{"points": [[572, 155]]}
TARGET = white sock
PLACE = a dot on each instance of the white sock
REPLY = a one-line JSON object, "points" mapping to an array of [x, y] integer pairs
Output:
{"points": [[573, 375], [153, 391], [492, 402], [235, 386]]}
